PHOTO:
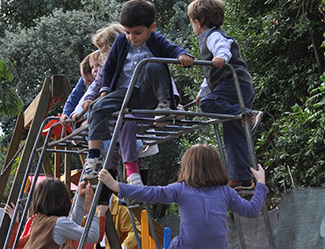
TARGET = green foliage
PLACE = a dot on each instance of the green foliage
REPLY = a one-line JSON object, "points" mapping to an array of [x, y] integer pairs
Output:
{"points": [[164, 166], [279, 41], [14, 12], [53, 46], [300, 143], [10, 104], [4, 168]]}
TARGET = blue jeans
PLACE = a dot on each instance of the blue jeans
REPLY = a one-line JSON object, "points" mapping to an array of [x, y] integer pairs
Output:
{"points": [[224, 100]]}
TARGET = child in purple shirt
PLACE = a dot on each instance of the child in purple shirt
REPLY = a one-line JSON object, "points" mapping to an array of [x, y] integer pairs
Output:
{"points": [[202, 195]]}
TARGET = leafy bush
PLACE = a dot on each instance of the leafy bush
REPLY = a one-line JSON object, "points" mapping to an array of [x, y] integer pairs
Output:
{"points": [[10, 103]]}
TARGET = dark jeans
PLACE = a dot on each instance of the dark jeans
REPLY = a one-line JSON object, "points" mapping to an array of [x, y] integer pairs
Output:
{"points": [[155, 85], [224, 100]]}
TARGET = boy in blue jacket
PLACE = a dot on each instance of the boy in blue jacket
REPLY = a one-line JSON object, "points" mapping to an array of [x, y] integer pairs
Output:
{"points": [[152, 90]]}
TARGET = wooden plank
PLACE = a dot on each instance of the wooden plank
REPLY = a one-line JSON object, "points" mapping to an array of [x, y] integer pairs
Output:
{"points": [[60, 87], [40, 112], [158, 228], [13, 148], [29, 113]]}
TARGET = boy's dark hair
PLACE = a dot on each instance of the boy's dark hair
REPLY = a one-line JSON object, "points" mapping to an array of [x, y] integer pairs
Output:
{"points": [[138, 13], [201, 166], [51, 197]]}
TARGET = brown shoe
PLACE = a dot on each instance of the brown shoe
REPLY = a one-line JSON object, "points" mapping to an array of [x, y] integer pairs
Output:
{"points": [[242, 185]]}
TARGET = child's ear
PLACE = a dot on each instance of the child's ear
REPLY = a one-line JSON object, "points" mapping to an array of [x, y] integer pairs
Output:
{"points": [[152, 26], [198, 22]]}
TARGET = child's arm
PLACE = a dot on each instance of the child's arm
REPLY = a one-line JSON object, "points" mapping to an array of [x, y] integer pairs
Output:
{"points": [[220, 47], [96, 85], [86, 104], [88, 194], [10, 211], [70, 228], [63, 118], [101, 210], [204, 90], [79, 107], [164, 194], [108, 180], [253, 207], [93, 93], [66, 228], [73, 99], [23, 240], [85, 194]]}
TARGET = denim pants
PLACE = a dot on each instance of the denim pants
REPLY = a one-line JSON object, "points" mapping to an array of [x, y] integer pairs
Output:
{"points": [[154, 85], [224, 100]]}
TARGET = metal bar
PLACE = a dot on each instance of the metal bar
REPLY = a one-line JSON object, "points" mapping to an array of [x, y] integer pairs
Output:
{"points": [[166, 133], [152, 227], [220, 144], [239, 231], [267, 222]]}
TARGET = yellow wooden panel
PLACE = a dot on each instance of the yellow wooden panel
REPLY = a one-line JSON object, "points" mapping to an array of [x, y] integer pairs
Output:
{"points": [[145, 229]]}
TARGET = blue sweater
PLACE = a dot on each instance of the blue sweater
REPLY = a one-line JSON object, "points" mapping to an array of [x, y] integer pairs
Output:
{"points": [[203, 210], [158, 45]]}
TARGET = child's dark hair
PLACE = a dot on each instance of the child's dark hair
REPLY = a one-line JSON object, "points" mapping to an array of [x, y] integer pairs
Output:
{"points": [[138, 13], [201, 167], [51, 197], [208, 12]]}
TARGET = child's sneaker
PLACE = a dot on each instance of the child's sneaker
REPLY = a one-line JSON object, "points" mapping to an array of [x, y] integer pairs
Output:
{"points": [[92, 168], [242, 185], [135, 179], [254, 120], [163, 105]]}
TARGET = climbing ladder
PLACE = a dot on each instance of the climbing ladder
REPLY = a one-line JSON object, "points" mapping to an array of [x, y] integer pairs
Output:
{"points": [[150, 135]]}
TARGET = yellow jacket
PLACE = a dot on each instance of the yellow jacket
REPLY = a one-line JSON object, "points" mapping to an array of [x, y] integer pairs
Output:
{"points": [[123, 225]]}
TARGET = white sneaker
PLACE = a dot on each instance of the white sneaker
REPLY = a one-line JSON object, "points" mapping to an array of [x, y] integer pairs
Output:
{"points": [[135, 179], [92, 168], [163, 105]]}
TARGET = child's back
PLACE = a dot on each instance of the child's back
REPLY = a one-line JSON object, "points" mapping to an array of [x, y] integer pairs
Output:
{"points": [[202, 195]]}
